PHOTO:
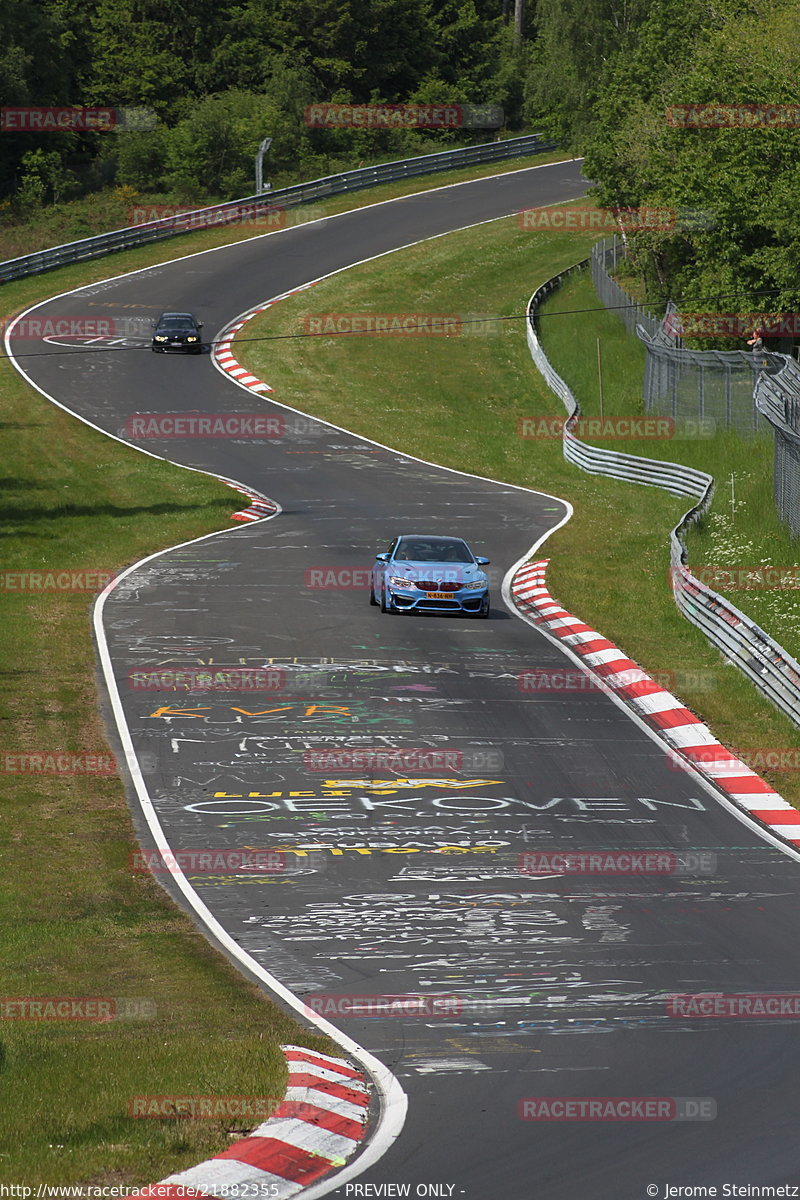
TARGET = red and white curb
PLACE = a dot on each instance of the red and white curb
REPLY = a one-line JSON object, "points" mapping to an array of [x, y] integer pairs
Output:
{"points": [[224, 359], [289, 1151], [258, 508], [223, 356], [687, 736]]}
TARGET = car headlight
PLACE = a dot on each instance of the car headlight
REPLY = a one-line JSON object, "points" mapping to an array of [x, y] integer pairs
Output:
{"points": [[396, 581], [477, 583], [191, 339], [159, 338]]}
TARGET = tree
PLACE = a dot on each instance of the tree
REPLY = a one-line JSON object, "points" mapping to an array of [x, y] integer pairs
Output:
{"points": [[575, 42], [36, 68], [151, 53], [744, 250]]}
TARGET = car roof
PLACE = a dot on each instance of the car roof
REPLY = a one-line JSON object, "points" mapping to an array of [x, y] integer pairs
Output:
{"points": [[431, 537], [188, 316]]}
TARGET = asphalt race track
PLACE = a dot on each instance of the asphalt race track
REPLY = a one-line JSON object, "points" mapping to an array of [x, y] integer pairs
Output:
{"points": [[534, 985]]}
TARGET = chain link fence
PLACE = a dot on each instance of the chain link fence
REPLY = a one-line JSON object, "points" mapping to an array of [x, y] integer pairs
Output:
{"points": [[778, 401], [714, 387], [606, 254]]}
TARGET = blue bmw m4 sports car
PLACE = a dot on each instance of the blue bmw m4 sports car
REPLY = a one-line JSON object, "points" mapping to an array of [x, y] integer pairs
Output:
{"points": [[430, 573]]}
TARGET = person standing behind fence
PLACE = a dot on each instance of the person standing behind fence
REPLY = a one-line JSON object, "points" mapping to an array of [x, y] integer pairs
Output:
{"points": [[756, 343]]}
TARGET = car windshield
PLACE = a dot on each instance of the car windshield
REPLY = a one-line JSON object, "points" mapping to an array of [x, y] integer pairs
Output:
{"points": [[433, 550], [176, 323]]}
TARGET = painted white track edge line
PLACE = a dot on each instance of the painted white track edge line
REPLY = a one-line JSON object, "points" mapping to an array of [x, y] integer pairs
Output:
{"points": [[741, 815], [394, 1102]]}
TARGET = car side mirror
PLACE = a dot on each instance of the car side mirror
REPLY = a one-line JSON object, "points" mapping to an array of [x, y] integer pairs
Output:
{"points": [[481, 561], [381, 557]]}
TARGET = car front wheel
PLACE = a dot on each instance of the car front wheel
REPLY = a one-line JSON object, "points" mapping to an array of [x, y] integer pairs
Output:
{"points": [[386, 602]]}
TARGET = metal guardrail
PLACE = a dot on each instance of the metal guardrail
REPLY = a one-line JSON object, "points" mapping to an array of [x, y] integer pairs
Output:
{"points": [[651, 472], [758, 656], [300, 193]]}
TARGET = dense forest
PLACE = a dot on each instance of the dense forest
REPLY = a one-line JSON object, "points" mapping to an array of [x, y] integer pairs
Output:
{"points": [[220, 76], [608, 74], [602, 75]]}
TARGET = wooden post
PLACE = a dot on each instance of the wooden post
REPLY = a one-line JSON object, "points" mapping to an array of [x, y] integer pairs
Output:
{"points": [[600, 378]]}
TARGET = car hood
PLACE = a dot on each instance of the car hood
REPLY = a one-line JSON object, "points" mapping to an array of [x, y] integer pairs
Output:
{"points": [[445, 572]]}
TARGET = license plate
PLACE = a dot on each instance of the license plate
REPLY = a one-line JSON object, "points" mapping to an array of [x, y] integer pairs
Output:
{"points": [[438, 596]]}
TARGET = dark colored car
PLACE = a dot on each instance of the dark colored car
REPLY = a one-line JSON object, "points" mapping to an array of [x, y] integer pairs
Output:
{"points": [[177, 331], [431, 572]]}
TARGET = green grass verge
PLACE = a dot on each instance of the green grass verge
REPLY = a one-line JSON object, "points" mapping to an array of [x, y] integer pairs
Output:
{"points": [[74, 920], [458, 401]]}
